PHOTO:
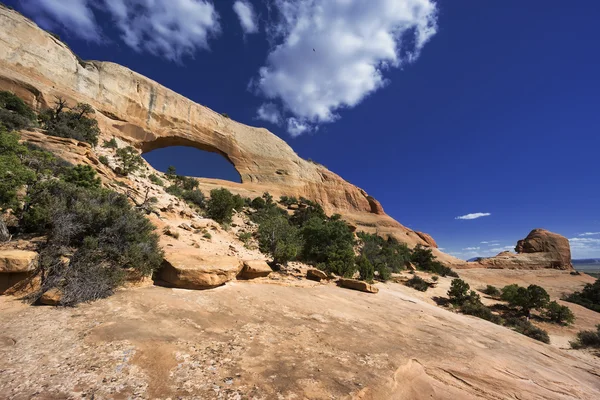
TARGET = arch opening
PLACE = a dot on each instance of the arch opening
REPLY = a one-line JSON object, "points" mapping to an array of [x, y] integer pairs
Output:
{"points": [[191, 160]]}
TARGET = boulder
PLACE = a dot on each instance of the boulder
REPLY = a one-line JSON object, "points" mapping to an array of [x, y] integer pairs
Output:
{"points": [[192, 271], [357, 285], [254, 269], [427, 239], [316, 275], [185, 227], [51, 298], [17, 261]]}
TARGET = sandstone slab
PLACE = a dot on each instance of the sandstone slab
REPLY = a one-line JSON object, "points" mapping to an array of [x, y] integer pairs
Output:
{"points": [[192, 271], [316, 275], [17, 261], [357, 285], [255, 269], [51, 298]]}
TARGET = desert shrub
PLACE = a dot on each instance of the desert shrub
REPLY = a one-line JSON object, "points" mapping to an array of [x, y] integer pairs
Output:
{"points": [[417, 283], [329, 242], [258, 203], [13, 173], [587, 339], [14, 113], [225, 115], [175, 190], [477, 309], [83, 176], [492, 291], [527, 299], [103, 160], [528, 329], [207, 235], [238, 202], [589, 297], [278, 238], [186, 183], [101, 231], [156, 180], [365, 268], [424, 260], [171, 172], [558, 314], [459, 291], [195, 197], [435, 278], [308, 210], [129, 160], [71, 123], [288, 201], [245, 237], [110, 144], [220, 206], [386, 255]]}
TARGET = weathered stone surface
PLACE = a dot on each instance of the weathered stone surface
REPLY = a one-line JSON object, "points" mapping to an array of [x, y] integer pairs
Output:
{"points": [[316, 275], [427, 239], [38, 67], [357, 285], [255, 269], [185, 226], [11, 283], [51, 298], [17, 261], [191, 271], [539, 250]]}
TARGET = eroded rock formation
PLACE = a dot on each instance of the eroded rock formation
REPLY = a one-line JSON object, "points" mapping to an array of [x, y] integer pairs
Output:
{"points": [[540, 249], [38, 67]]}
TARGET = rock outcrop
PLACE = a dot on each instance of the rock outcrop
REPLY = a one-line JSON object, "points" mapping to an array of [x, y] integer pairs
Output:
{"points": [[357, 285], [255, 269], [539, 250], [15, 267], [188, 271], [38, 67]]}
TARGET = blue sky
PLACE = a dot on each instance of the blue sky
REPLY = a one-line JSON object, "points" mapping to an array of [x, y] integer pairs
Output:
{"points": [[437, 109]]}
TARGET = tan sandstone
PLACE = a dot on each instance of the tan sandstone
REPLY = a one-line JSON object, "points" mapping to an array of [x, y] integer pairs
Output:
{"points": [[190, 271], [255, 269]]}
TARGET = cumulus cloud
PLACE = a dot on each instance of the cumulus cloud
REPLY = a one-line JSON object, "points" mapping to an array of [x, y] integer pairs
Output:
{"points": [[582, 247], [74, 16], [330, 55], [269, 112], [471, 248], [297, 127], [166, 28], [245, 13], [473, 215], [589, 234]]}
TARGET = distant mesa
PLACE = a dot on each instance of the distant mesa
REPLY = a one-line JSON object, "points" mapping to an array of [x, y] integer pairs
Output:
{"points": [[541, 249]]}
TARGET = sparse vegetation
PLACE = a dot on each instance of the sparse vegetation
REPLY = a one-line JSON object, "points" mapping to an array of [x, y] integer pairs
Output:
{"points": [[103, 160], [417, 283], [156, 180], [589, 297], [528, 329], [288, 201], [14, 113], [129, 160], [278, 238], [195, 197], [424, 260], [558, 314], [220, 206], [207, 235], [492, 291], [74, 123], [587, 339], [533, 297], [171, 172], [110, 144], [386, 256]]}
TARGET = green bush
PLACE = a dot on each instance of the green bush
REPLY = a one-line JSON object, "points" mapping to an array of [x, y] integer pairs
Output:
{"points": [[308, 210], [83, 176], [288, 201], [171, 172], [417, 283], [103, 160], [424, 260], [73, 123], [258, 203], [587, 339], [527, 299], [559, 314], [245, 237], [589, 297], [492, 291], [207, 235], [477, 309], [528, 329], [175, 191], [365, 268], [458, 292], [278, 238], [195, 197], [14, 113], [13, 173], [186, 183], [129, 160], [156, 180], [220, 206], [110, 144], [385, 255]]}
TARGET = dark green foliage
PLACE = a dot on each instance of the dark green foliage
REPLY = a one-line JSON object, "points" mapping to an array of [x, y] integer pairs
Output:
{"points": [[424, 260], [533, 297], [195, 197], [365, 268], [103, 160], [238, 202], [477, 309], [71, 123], [83, 176], [186, 183], [558, 314], [110, 144], [129, 160], [492, 291], [225, 115], [156, 180], [14, 113], [175, 191], [587, 339], [288, 201], [13, 173], [329, 242], [245, 237], [528, 329], [417, 283], [589, 297], [171, 172], [258, 203], [386, 256], [220, 206], [278, 238], [308, 210], [459, 291]]}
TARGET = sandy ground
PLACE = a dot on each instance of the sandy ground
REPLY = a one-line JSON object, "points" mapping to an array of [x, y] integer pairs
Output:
{"points": [[253, 340]]}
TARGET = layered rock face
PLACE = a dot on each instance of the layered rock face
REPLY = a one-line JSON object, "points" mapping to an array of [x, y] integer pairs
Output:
{"points": [[38, 67], [540, 249]]}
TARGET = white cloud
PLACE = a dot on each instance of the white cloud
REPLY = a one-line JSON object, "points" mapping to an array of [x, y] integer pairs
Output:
{"points": [[332, 54], [584, 247], [245, 13], [296, 128], [269, 112], [490, 242], [471, 248], [589, 234], [167, 28], [473, 215], [74, 16]]}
